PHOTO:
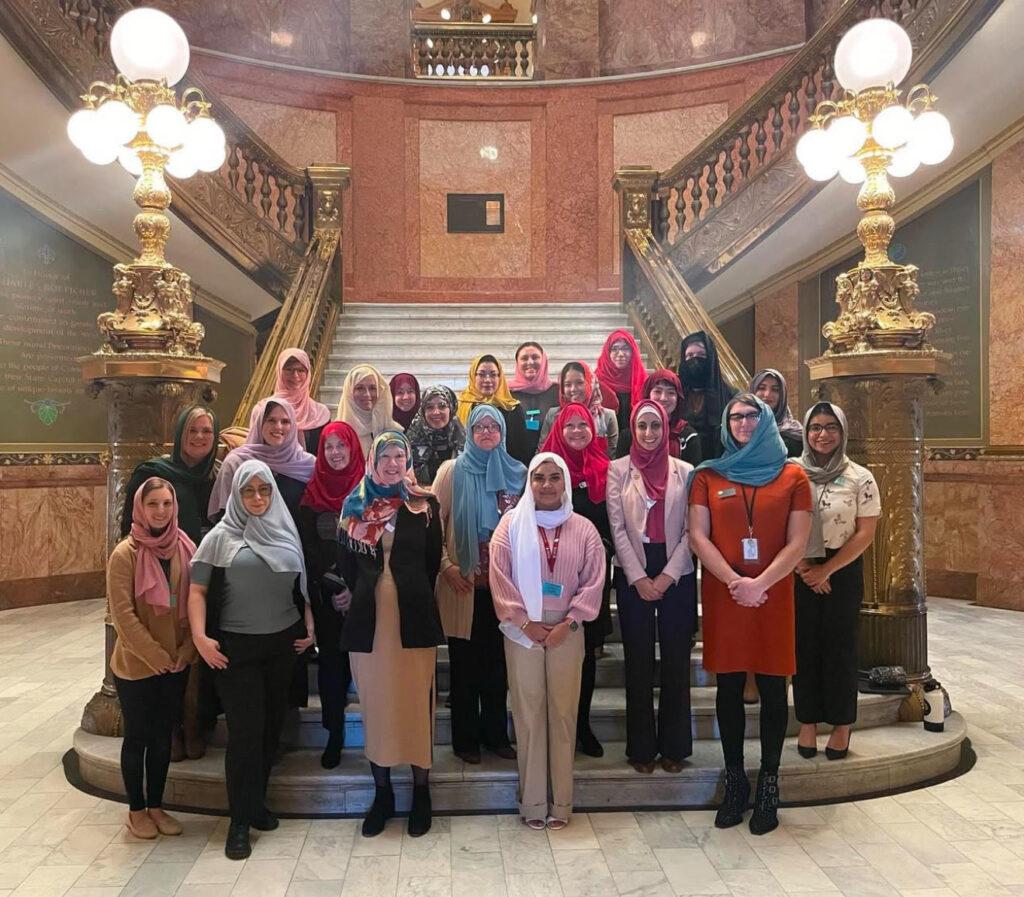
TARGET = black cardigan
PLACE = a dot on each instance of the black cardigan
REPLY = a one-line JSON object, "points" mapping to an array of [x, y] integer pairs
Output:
{"points": [[415, 562]]}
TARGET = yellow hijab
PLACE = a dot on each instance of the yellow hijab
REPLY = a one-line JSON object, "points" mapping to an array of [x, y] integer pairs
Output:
{"points": [[367, 424], [470, 396]]}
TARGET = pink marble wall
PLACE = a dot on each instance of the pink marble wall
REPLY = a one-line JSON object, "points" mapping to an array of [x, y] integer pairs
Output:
{"points": [[473, 157], [570, 43], [653, 34], [379, 40], [300, 136], [1006, 299], [777, 339]]}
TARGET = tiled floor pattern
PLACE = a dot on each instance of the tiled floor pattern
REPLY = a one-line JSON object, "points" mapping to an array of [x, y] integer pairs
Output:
{"points": [[965, 837]]}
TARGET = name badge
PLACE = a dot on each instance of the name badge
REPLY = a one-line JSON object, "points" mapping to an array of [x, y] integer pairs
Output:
{"points": [[750, 550], [551, 589], [390, 526], [533, 420], [726, 493]]}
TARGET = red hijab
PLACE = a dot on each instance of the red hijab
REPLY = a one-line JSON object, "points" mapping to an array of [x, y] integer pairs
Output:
{"points": [[404, 417], [629, 379], [150, 582], [589, 466], [652, 463], [676, 422], [328, 487]]}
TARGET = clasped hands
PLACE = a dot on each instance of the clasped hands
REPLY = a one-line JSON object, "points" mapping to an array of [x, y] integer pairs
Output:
{"points": [[548, 636], [815, 577], [653, 588], [747, 592]]}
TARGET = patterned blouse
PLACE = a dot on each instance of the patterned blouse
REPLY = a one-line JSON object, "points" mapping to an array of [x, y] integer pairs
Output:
{"points": [[849, 496]]}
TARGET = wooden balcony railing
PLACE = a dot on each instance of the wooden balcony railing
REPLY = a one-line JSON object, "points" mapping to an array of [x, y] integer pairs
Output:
{"points": [[255, 209], [473, 51]]}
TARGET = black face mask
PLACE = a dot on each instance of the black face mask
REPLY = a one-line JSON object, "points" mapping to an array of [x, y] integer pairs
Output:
{"points": [[696, 369]]}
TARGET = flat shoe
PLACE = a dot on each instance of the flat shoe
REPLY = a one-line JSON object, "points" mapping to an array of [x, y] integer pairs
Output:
{"points": [[670, 765], [506, 752], [556, 824], [642, 768], [166, 824], [472, 757], [538, 825], [145, 828]]}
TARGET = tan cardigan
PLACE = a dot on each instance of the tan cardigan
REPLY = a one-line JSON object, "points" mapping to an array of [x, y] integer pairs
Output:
{"points": [[146, 642], [456, 607]]}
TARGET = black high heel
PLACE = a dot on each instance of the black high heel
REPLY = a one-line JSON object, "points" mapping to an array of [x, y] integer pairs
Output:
{"points": [[808, 753]]}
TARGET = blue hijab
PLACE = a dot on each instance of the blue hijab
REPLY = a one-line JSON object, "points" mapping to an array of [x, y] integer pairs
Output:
{"points": [[479, 476], [759, 461]]}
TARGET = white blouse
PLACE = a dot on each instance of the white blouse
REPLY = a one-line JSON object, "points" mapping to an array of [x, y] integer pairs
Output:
{"points": [[849, 496]]}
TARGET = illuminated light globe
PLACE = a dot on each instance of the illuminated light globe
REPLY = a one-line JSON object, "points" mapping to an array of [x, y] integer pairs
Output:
{"points": [[813, 147], [846, 134], [873, 53], [130, 161], [892, 127], [84, 129], [904, 163], [101, 153], [852, 171], [822, 169], [182, 164], [930, 125], [210, 158], [148, 45], [935, 150], [166, 125], [119, 122]]}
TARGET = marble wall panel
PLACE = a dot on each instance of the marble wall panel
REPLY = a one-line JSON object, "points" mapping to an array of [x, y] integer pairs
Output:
{"points": [[655, 34], [475, 157], [300, 136], [569, 39], [1006, 303], [777, 339], [379, 41]]}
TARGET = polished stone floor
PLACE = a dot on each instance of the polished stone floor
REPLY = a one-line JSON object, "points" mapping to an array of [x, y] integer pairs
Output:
{"points": [[965, 837]]}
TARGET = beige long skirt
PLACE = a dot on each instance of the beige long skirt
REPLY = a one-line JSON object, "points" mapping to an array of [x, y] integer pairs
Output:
{"points": [[395, 684]]}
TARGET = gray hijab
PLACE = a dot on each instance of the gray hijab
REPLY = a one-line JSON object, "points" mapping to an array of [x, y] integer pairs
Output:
{"points": [[821, 476], [783, 416], [271, 536]]}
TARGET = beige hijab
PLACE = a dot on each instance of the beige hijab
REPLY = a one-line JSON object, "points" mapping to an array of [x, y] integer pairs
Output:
{"points": [[367, 424]]}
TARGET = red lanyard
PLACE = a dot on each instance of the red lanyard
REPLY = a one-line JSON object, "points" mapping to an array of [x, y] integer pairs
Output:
{"points": [[551, 551]]}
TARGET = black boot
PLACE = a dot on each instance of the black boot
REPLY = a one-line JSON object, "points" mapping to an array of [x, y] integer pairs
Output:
{"points": [[587, 741], [419, 814], [237, 846], [734, 803], [585, 737], [382, 810], [765, 817], [331, 756], [265, 821]]}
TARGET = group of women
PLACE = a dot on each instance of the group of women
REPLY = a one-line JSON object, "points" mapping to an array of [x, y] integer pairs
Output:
{"points": [[495, 521]]}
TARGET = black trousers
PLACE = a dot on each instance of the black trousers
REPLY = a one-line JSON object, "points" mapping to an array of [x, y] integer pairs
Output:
{"points": [[732, 716], [825, 684], [479, 681], [334, 674], [151, 708], [254, 692], [670, 621]]}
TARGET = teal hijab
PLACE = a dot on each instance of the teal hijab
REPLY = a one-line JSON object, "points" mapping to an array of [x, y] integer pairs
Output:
{"points": [[759, 461], [478, 477]]}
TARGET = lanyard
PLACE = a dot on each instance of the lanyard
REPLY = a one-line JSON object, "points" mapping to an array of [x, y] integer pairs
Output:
{"points": [[749, 507], [551, 551]]}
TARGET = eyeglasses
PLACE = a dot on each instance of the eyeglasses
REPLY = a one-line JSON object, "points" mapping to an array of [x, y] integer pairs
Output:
{"points": [[484, 429], [831, 429], [620, 350], [262, 492], [749, 416], [486, 375]]}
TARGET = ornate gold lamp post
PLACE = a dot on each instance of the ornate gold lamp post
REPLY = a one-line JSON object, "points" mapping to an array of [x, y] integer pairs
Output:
{"points": [[879, 363], [150, 365]]}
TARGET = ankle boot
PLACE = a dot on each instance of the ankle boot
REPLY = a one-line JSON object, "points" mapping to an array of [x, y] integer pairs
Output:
{"points": [[737, 794], [331, 756], [419, 814], [587, 741], [766, 802], [381, 811], [237, 846]]}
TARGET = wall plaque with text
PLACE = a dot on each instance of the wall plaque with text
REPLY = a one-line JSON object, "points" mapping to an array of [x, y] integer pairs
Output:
{"points": [[476, 213]]}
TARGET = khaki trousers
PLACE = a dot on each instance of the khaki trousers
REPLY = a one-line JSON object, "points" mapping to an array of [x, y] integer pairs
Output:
{"points": [[544, 688]]}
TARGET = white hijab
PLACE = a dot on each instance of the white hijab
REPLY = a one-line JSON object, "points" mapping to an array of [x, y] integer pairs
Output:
{"points": [[524, 519]]}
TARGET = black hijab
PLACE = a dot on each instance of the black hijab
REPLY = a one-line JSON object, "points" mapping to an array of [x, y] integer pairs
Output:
{"points": [[717, 392]]}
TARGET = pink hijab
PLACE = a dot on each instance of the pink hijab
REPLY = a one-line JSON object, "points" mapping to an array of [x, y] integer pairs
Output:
{"points": [[309, 414], [150, 582], [518, 383]]}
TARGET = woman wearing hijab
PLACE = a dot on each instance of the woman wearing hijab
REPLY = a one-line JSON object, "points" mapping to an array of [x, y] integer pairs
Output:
{"points": [[339, 468], [770, 387], [273, 439], [390, 554], [533, 387], [147, 591], [436, 434], [405, 397], [366, 404], [705, 392], [487, 386], [830, 582], [293, 371], [250, 616], [620, 371], [663, 387], [655, 589], [542, 597], [577, 384], [473, 491], [749, 522], [574, 440], [190, 469]]}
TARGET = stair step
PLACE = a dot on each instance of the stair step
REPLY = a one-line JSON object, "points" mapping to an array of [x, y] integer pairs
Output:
{"points": [[480, 310], [881, 759]]}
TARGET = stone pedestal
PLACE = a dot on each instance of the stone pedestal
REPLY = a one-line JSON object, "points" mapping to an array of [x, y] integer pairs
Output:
{"points": [[145, 395], [882, 394]]}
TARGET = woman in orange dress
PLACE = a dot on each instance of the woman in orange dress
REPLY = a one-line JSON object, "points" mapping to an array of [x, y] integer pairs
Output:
{"points": [[750, 516]]}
